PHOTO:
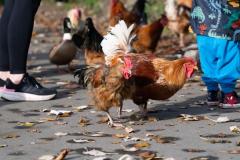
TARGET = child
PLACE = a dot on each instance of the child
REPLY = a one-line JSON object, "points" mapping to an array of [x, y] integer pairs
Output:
{"points": [[217, 25]]}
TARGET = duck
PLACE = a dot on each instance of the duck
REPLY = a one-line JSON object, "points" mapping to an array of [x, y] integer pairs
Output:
{"points": [[64, 52]]}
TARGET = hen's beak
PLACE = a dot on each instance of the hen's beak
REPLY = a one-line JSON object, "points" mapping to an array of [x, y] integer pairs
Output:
{"points": [[195, 68]]}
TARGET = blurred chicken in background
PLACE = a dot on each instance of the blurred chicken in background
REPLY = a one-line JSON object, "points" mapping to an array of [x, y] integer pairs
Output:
{"points": [[147, 36], [136, 16], [178, 14]]}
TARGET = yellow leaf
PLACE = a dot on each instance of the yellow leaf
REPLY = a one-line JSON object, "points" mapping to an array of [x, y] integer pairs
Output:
{"points": [[142, 144]]}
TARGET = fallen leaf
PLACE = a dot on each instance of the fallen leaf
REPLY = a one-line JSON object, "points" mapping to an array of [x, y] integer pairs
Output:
{"points": [[116, 142], [59, 134], [126, 157], [81, 108], [11, 135], [61, 113], [84, 122], [152, 119], [129, 149], [96, 153], [150, 135], [129, 139], [127, 110], [147, 155], [234, 151], [214, 141], [94, 134], [25, 124], [46, 157], [219, 135], [235, 129], [3, 145], [187, 117], [62, 154], [142, 144], [192, 150], [83, 140], [129, 129], [120, 135], [220, 120]]}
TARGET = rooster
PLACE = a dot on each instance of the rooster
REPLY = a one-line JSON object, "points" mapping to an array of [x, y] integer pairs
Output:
{"points": [[147, 36], [126, 75], [178, 14], [119, 12], [90, 40]]}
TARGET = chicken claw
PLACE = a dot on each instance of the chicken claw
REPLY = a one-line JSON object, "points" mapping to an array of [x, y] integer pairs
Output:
{"points": [[112, 124]]}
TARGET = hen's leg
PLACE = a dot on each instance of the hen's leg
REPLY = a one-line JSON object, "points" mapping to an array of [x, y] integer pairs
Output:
{"points": [[120, 110], [143, 109], [111, 123]]}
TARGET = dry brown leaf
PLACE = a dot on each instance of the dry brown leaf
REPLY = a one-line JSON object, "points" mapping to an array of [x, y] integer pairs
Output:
{"points": [[214, 141], [147, 155], [161, 140], [234, 151], [235, 129], [11, 135], [120, 135], [62, 154], [193, 150], [129, 129], [188, 117], [84, 122], [152, 119], [116, 142], [142, 144]]}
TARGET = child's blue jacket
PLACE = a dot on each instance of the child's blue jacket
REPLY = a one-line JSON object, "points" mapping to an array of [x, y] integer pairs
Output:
{"points": [[216, 18]]}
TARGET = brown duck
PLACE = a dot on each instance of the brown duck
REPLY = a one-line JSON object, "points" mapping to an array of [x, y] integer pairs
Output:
{"points": [[64, 53]]}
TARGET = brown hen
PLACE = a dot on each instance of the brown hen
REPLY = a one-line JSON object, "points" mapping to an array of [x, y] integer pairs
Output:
{"points": [[127, 75]]}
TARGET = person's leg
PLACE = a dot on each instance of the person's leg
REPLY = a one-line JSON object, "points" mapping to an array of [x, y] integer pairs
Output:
{"points": [[19, 36], [20, 86], [4, 53], [208, 60], [228, 69], [228, 66]]}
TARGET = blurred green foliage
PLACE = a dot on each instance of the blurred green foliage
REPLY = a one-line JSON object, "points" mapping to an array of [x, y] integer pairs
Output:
{"points": [[154, 8], [1, 1]]}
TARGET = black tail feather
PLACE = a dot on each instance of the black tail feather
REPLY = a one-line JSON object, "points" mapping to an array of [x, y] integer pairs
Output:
{"points": [[85, 74]]}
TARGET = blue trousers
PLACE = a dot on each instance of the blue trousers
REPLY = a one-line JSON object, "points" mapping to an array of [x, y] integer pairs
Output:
{"points": [[220, 62]]}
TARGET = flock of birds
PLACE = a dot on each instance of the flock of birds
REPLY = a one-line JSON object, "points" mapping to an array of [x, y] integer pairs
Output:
{"points": [[121, 64], [176, 19]]}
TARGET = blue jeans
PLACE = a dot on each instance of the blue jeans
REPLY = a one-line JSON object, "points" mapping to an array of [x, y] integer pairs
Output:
{"points": [[220, 62]]}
